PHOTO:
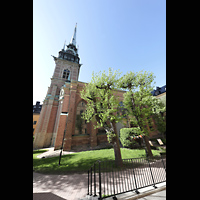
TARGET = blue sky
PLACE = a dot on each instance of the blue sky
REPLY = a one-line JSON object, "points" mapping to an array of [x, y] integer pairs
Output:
{"points": [[129, 35]]}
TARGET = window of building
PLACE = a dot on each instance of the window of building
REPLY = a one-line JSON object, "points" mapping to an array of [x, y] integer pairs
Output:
{"points": [[80, 124], [66, 74], [34, 122]]}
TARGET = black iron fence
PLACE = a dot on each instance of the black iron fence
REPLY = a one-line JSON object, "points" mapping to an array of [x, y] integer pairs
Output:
{"points": [[105, 179]]}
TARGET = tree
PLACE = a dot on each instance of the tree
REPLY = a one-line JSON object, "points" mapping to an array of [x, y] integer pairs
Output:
{"points": [[129, 136], [102, 106], [160, 116], [139, 102]]}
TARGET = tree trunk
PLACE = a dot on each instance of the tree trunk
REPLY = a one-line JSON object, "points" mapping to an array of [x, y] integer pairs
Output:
{"points": [[146, 139], [118, 157], [116, 146]]}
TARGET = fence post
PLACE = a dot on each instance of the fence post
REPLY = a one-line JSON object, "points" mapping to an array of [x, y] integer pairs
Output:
{"points": [[88, 181], [100, 197], [94, 182], [136, 190], [151, 173], [163, 162], [113, 182], [91, 183]]}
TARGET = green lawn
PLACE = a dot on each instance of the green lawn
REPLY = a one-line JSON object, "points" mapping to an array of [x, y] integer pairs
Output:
{"points": [[81, 161]]}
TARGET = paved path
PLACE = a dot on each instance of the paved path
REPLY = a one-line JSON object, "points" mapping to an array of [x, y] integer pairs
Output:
{"points": [[59, 187], [72, 186], [156, 196]]}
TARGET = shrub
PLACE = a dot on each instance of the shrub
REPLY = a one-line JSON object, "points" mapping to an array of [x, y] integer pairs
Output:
{"points": [[127, 135]]}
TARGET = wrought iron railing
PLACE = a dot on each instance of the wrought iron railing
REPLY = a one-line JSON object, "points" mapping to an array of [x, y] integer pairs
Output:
{"points": [[105, 179]]}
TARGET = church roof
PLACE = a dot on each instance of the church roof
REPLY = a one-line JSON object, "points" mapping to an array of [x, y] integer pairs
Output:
{"points": [[159, 90]]}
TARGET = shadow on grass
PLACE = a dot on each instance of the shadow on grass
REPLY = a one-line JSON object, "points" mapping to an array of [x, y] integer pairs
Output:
{"points": [[77, 162]]}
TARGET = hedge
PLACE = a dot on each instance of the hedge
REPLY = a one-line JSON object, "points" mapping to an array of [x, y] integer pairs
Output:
{"points": [[127, 134]]}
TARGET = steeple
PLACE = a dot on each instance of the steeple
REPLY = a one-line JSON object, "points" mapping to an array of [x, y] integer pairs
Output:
{"points": [[64, 46], [73, 39], [71, 53]]}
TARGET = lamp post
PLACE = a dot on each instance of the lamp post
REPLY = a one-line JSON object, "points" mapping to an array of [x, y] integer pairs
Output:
{"points": [[63, 113]]}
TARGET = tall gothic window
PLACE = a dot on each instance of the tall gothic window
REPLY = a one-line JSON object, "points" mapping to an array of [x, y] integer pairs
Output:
{"points": [[80, 124], [66, 74]]}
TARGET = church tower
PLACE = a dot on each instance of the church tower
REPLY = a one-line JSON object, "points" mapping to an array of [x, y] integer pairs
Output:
{"points": [[63, 83]]}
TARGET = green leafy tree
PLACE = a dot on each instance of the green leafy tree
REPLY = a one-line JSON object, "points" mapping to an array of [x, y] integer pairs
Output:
{"points": [[102, 106], [129, 136], [139, 102], [160, 116]]}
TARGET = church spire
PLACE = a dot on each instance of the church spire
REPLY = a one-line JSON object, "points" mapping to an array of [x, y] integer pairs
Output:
{"points": [[64, 45], [71, 53], [73, 39]]}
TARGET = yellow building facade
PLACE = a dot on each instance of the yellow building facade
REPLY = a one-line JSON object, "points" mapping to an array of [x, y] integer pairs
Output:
{"points": [[36, 113]]}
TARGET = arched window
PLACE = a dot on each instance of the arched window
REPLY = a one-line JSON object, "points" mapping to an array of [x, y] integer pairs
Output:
{"points": [[66, 75]]}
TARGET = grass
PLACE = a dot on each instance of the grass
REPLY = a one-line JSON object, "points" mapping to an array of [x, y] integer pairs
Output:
{"points": [[81, 161]]}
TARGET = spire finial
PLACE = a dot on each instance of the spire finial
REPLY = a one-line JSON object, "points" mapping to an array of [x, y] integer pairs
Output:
{"points": [[73, 39], [64, 45]]}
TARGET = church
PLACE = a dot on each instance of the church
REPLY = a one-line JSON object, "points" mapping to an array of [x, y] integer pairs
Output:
{"points": [[60, 118]]}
